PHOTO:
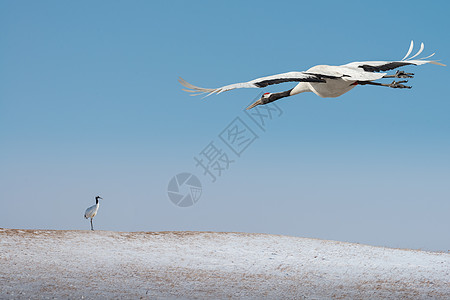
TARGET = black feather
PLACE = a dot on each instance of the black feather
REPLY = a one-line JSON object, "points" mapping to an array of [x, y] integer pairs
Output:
{"points": [[281, 80], [385, 67]]}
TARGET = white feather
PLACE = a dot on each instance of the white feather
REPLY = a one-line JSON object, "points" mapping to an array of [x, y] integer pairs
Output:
{"points": [[428, 56], [411, 46], [91, 211], [422, 46]]}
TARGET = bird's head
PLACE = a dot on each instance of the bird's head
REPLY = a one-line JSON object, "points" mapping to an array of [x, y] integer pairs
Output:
{"points": [[98, 197], [265, 98]]}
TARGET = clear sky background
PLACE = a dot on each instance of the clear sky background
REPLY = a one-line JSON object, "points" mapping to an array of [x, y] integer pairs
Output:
{"points": [[90, 104]]}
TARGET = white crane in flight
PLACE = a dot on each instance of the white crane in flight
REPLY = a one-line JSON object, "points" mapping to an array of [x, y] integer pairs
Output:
{"points": [[325, 81]]}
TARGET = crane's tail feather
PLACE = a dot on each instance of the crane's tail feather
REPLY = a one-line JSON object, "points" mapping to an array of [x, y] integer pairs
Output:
{"points": [[411, 46], [422, 46], [428, 56]]}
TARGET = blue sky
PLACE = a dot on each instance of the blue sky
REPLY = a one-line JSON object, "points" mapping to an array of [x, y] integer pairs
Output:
{"points": [[90, 104]]}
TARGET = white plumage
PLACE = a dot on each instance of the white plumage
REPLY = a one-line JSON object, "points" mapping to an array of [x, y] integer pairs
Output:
{"points": [[323, 80], [91, 212]]}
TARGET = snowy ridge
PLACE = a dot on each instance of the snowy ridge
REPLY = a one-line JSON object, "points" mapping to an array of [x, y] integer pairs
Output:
{"points": [[210, 265]]}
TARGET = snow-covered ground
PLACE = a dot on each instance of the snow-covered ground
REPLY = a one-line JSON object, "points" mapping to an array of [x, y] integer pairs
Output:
{"points": [[211, 265]]}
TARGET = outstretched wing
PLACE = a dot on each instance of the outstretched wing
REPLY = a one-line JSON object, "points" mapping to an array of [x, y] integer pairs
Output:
{"points": [[256, 83], [382, 66]]}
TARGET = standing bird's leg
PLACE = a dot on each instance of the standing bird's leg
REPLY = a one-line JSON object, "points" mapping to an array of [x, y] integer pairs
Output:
{"points": [[92, 226], [400, 74], [394, 84]]}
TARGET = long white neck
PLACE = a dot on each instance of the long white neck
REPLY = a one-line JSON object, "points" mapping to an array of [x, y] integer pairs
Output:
{"points": [[302, 87]]}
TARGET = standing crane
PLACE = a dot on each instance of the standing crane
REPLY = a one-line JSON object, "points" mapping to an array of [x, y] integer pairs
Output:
{"points": [[326, 81], [92, 211]]}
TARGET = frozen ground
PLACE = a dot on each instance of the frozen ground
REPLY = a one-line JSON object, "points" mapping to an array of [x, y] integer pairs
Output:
{"points": [[199, 265]]}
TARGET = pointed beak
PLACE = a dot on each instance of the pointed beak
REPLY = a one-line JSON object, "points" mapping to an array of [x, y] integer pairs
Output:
{"points": [[256, 103]]}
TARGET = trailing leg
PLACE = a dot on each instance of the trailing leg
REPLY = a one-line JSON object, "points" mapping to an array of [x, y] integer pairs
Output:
{"points": [[394, 84], [400, 74]]}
